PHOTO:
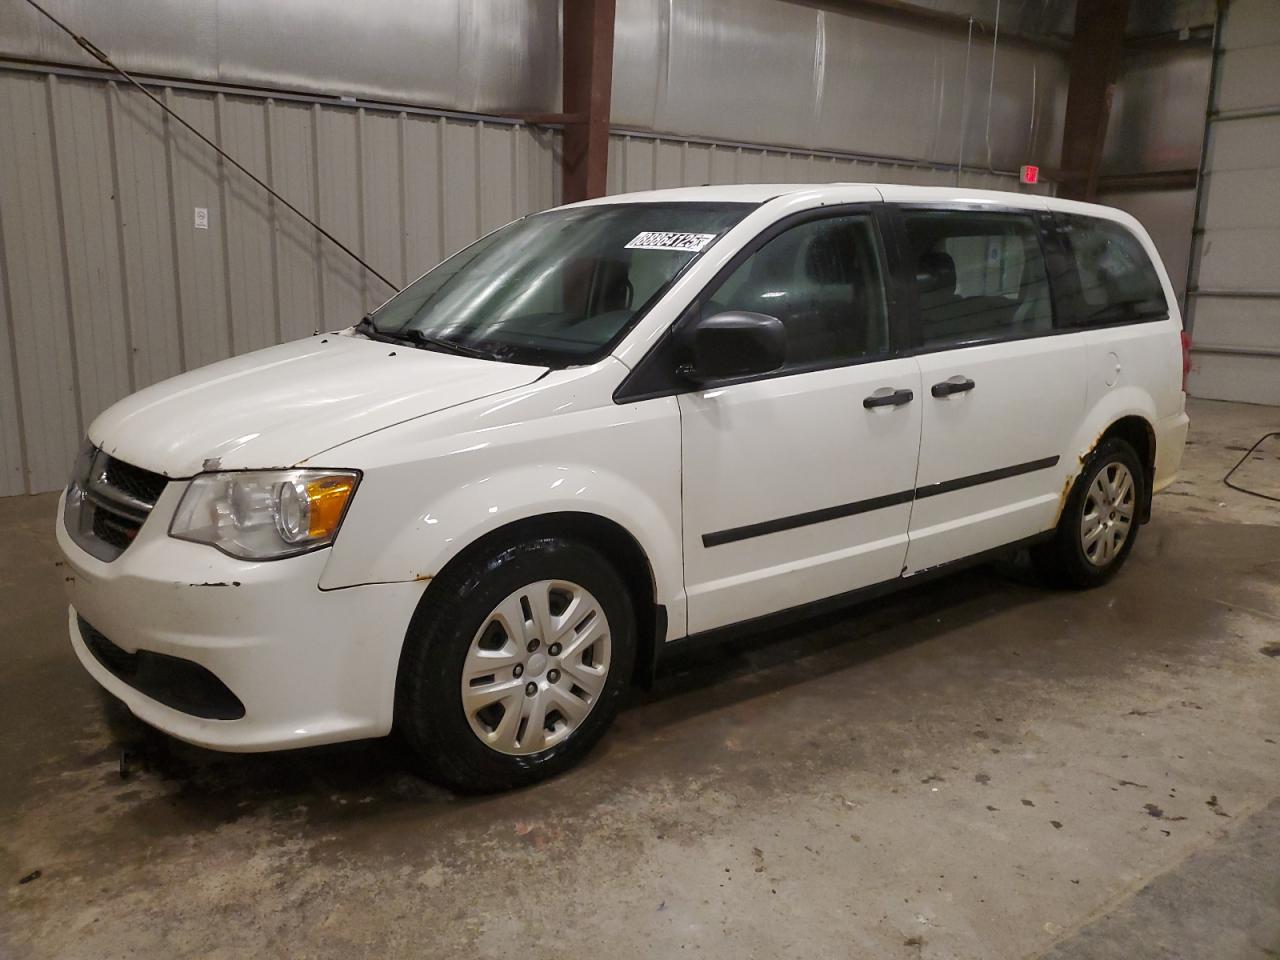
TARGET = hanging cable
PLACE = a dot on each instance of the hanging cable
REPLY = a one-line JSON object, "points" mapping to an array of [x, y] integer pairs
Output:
{"points": [[964, 103], [1031, 131], [1248, 453], [991, 83], [93, 51]]}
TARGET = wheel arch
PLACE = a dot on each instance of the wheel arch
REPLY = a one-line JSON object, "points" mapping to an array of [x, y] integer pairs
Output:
{"points": [[1139, 433], [1128, 413], [618, 545]]}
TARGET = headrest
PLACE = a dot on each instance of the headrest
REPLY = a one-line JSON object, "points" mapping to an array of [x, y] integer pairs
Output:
{"points": [[937, 272]]}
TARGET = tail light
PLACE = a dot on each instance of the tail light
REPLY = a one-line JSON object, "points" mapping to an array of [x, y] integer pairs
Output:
{"points": [[1186, 359]]}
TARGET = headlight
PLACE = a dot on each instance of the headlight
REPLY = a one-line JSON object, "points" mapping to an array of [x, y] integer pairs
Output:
{"points": [[265, 515]]}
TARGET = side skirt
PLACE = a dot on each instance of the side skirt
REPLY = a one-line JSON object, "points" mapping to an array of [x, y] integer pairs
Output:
{"points": [[673, 649]]}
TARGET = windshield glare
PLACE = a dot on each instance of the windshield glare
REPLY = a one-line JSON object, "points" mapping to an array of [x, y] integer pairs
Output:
{"points": [[555, 288]]}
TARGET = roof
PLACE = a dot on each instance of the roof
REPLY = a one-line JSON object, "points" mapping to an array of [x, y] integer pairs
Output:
{"points": [[892, 192]]}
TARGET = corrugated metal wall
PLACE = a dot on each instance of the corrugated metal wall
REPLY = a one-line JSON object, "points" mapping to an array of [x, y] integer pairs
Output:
{"points": [[1235, 311], [639, 161], [478, 56], [106, 284], [837, 80], [794, 75]]}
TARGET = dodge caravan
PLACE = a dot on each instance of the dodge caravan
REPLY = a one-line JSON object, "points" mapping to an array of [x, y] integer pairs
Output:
{"points": [[479, 513]]}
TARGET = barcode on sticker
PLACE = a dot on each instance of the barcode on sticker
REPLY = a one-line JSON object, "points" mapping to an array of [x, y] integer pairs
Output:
{"points": [[660, 240]]}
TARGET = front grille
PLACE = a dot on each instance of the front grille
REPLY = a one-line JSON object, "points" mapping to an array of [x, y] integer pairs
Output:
{"points": [[173, 681], [140, 484], [109, 503], [115, 530]]}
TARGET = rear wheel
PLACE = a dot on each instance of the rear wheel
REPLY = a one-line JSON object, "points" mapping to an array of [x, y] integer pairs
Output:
{"points": [[515, 664], [1100, 520]]}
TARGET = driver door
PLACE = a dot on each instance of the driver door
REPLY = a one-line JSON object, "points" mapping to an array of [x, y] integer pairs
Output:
{"points": [[798, 484]]}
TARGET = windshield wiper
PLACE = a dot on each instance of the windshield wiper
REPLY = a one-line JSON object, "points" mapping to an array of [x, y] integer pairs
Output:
{"points": [[367, 328], [417, 338], [420, 339]]}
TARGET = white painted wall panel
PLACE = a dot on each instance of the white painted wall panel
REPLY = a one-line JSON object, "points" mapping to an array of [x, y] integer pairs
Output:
{"points": [[424, 195], [195, 182], [12, 456], [1242, 199], [1245, 145], [87, 202], [291, 127], [461, 194], [1235, 323], [1252, 23], [1248, 79], [146, 236], [1235, 312], [1238, 377], [35, 269], [247, 238], [382, 237]]}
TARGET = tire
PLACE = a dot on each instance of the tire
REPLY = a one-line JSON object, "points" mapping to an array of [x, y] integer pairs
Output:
{"points": [[494, 628], [1069, 558]]}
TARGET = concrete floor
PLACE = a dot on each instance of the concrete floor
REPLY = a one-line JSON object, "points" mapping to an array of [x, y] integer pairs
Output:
{"points": [[975, 769]]}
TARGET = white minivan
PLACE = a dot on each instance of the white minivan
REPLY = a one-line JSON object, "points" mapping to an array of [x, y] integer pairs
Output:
{"points": [[609, 430]]}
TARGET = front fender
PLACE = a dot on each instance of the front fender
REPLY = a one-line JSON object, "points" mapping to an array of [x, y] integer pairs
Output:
{"points": [[431, 489], [421, 547]]}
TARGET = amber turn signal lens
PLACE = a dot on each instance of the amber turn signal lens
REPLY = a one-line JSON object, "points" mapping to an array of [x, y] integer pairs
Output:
{"points": [[328, 497]]}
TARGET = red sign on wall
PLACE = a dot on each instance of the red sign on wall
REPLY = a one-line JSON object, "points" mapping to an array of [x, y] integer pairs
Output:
{"points": [[1030, 173]]}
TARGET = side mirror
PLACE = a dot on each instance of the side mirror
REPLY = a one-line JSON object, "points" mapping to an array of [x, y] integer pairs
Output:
{"points": [[733, 344]]}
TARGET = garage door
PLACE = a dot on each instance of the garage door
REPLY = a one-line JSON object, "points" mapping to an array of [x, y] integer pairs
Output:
{"points": [[1235, 301]]}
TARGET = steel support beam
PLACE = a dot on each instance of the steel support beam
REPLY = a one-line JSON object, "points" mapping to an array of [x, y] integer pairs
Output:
{"points": [[1094, 64], [588, 85], [1149, 180]]}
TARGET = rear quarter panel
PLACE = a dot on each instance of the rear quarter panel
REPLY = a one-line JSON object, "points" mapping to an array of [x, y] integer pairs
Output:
{"points": [[1134, 369]]}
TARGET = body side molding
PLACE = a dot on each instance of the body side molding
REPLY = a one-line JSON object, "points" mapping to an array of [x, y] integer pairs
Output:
{"points": [[746, 532]]}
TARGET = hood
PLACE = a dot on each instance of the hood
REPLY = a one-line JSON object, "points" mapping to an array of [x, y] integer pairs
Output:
{"points": [[279, 406]]}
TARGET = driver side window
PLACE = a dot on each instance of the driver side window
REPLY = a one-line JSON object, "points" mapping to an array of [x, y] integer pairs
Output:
{"points": [[823, 280]]}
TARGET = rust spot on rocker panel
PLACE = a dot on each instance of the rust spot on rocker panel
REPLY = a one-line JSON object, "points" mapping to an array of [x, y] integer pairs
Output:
{"points": [[1071, 477], [1062, 497]]}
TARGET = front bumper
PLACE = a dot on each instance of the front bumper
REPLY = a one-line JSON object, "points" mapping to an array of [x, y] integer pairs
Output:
{"points": [[310, 666]]}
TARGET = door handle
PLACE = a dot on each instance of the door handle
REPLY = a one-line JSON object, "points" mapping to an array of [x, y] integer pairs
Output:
{"points": [[888, 397], [956, 384]]}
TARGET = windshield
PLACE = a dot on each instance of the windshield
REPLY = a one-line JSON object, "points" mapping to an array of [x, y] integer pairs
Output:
{"points": [[555, 288]]}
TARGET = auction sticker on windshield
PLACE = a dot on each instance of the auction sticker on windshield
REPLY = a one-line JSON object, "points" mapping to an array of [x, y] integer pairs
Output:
{"points": [[659, 240]]}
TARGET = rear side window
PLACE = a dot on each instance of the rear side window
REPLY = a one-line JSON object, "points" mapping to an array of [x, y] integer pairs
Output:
{"points": [[979, 277], [1116, 281], [822, 279]]}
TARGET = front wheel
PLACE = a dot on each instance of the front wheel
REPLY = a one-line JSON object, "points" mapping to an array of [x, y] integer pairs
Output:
{"points": [[1099, 522], [515, 664]]}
